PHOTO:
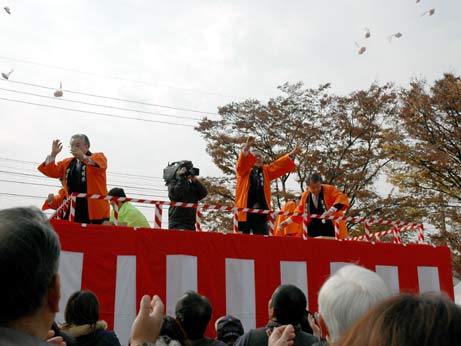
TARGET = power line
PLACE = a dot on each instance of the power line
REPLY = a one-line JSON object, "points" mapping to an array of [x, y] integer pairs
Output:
{"points": [[109, 172], [99, 105], [23, 61], [111, 98], [96, 113], [20, 195], [44, 177]]}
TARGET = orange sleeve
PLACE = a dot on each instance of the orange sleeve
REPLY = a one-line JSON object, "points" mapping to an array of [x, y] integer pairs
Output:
{"points": [[335, 196], [57, 201], [99, 159], [52, 170], [245, 163], [281, 166]]}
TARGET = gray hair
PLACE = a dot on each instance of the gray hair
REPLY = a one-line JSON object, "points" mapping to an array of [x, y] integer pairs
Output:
{"points": [[29, 259], [347, 295], [83, 137]]}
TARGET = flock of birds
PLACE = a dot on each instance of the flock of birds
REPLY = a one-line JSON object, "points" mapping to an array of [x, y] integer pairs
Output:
{"points": [[363, 49]]}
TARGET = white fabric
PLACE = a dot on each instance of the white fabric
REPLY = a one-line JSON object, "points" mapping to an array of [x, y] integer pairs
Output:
{"points": [[181, 276], [240, 291], [295, 273], [49, 159], [335, 266], [125, 297], [70, 271], [390, 275], [428, 278]]}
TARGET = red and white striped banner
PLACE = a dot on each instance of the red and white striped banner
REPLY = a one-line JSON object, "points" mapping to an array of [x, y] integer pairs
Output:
{"points": [[235, 272], [272, 214]]}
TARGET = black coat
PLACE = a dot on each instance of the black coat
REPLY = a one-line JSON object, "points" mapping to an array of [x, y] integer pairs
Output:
{"points": [[182, 189]]}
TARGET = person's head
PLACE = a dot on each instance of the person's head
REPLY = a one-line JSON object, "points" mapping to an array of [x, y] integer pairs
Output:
{"points": [[259, 158], [408, 320], [228, 329], [314, 181], [116, 192], [287, 305], [80, 141], [82, 308], [193, 312], [346, 296], [29, 260], [172, 329]]}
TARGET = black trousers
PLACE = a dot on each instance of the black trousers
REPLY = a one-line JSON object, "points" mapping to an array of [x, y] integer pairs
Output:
{"points": [[317, 228], [256, 223]]}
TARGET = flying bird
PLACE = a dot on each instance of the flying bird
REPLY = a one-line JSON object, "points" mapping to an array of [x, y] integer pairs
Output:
{"points": [[7, 9], [396, 35], [430, 12], [59, 93], [7, 75]]}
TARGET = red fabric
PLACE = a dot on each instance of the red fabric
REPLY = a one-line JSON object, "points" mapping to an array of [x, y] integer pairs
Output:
{"points": [[101, 244]]}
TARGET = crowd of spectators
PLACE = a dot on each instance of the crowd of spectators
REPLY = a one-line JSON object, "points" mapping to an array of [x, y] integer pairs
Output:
{"points": [[355, 306]]}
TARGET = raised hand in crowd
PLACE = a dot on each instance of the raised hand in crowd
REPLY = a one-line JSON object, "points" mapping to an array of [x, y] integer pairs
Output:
{"points": [[282, 336], [147, 324], [316, 331], [56, 148]]}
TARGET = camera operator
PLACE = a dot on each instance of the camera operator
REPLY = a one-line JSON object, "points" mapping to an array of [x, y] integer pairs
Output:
{"points": [[184, 187]]}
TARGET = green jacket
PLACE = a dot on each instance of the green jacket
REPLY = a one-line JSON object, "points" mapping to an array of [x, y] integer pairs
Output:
{"points": [[131, 215]]}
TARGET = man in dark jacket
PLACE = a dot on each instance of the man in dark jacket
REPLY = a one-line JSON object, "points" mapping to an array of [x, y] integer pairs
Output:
{"points": [[287, 306], [184, 187], [29, 294], [193, 312]]}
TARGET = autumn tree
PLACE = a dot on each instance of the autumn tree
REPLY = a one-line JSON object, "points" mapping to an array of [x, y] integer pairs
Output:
{"points": [[427, 156]]}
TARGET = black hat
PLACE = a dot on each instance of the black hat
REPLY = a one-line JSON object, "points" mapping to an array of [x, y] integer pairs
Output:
{"points": [[229, 326]]}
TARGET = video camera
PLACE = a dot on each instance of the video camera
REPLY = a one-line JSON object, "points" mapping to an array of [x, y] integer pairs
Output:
{"points": [[169, 172]]}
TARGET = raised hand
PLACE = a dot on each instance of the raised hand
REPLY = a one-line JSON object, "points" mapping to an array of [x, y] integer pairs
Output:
{"points": [[77, 153], [295, 151], [249, 143], [282, 336], [56, 147], [147, 324]]}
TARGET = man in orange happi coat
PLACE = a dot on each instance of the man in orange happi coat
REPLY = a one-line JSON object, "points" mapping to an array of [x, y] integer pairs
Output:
{"points": [[321, 199], [85, 172], [253, 188]]}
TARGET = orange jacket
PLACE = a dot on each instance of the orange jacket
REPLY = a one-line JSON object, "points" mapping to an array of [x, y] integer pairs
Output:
{"points": [[332, 196], [293, 229], [57, 201], [96, 182], [272, 171]]}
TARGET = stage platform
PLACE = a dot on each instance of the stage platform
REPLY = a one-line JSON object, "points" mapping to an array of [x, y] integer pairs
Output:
{"points": [[238, 273]]}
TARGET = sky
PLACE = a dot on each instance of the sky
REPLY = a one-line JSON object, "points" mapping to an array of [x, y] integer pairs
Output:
{"points": [[192, 55]]}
